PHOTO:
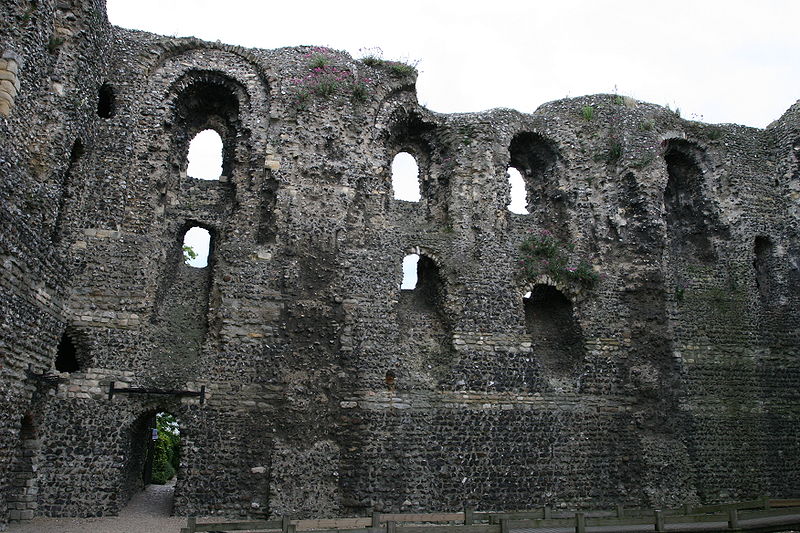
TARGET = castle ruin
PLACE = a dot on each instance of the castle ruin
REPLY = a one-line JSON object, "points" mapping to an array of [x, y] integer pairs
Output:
{"points": [[304, 379]]}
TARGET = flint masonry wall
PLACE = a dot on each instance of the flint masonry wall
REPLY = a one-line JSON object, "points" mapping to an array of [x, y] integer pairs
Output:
{"points": [[328, 389]]}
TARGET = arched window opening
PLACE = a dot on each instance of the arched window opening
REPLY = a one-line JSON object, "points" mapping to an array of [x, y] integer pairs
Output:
{"points": [[687, 210], [536, 159], [196, 247], [409, 272], [518, 200], [764, 251], [67, 356], [205, 156], [555, 334], [405, 178], [208, 101], [106, 101]]}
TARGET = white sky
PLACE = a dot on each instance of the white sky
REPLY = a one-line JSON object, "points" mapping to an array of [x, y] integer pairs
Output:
{"points": [[718, 61]]}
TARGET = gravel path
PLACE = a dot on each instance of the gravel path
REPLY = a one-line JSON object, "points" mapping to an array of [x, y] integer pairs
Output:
{"points": [[148, 512]]}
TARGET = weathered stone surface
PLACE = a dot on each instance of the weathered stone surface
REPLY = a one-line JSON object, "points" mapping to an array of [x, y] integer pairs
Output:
{"points": [[326, 388]]}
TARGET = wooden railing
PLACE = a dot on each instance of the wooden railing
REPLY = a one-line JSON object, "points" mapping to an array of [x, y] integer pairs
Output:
{"points": [[730, 516]]}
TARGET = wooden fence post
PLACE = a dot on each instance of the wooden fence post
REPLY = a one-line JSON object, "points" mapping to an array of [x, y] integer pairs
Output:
{"points": [[659, 521], [391, 526], [687, 508], [765, 499], [376, 519], [285, 524], [580, 523], [548, 512], [620, 510], [469, 515], [191, 524], [733, 518], [504, 525]]}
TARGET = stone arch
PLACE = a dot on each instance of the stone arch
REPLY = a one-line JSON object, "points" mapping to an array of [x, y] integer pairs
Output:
{"points": [[411, 130], [136, 439], [555, 333], [689, 213], [539, 163], [208, 100]]}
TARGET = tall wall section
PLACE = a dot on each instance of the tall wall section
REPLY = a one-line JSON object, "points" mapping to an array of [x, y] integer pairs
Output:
{"points": [[328, 388]]}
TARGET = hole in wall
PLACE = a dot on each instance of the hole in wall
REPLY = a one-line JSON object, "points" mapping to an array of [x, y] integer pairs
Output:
{"points": [[687, 209], [518, 201], [410, 272], [66, 355], [106, 101], [556, 336], [405, 178], [764, 251], [205, 156], [196, 246]]}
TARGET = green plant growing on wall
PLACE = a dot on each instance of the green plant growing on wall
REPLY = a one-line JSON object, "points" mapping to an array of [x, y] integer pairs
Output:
{"points": [[188, 253], [166, 457], [324, 80], [588, 112], [373, 57], [544, 254]]}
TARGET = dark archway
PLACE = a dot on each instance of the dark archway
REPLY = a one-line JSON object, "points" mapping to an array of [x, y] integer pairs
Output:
{"points": [[689, 216], [556, 336], [106, 101], [153, 455], [23, 491]]}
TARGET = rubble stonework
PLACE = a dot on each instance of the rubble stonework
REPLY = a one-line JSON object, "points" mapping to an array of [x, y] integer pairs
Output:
{"points": [[328, 390]]}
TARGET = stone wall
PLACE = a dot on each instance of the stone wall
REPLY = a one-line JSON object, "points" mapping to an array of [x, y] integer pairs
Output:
{"points": [[328, 389]]}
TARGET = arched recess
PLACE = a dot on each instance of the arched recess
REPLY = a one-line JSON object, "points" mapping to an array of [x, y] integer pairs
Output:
{"points": [[538, 163], [411, 133], [71, 354], [23, 489], [690, 216], [142, 450], [556, 336], [424, 325], [208, 100], [764, 266]]}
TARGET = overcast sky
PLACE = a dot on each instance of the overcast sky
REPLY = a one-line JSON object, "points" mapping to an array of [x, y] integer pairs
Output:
{"points": [[731, 61], [718, 61]]}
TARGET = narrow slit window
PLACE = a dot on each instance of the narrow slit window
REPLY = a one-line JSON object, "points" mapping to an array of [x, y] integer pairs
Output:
{"points": [[518, 201], [410, 272], [205, 156], [106, 101], [196, 245], [405, 178]]}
